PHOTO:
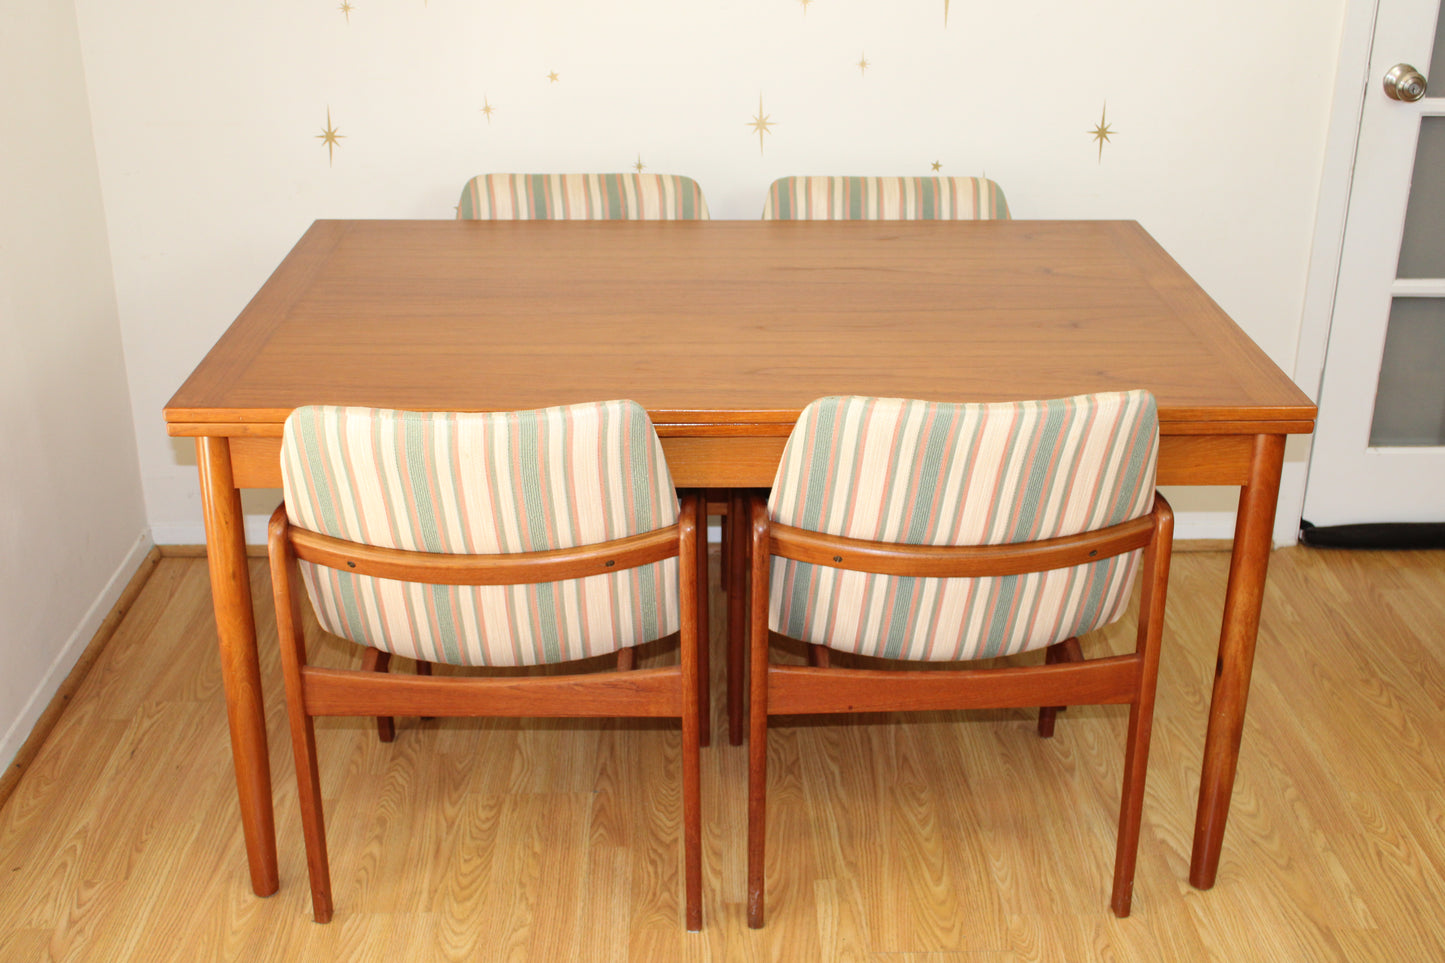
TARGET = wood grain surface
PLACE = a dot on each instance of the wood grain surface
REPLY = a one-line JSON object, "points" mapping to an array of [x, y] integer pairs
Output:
{"points": [[938, 836], [720, 328]]}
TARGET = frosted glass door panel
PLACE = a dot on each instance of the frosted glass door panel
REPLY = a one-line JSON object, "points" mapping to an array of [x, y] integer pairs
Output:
{"points": [[1437, 59], [1410, 402], [1422, 250]]}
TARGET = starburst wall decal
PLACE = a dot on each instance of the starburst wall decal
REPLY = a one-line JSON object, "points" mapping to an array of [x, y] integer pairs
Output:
{"points": [[329, 137], [762, 123], [1102, 131]]}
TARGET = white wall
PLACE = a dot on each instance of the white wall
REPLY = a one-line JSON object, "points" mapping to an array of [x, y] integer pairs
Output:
{"points": [[207, 117], [72, 520]]}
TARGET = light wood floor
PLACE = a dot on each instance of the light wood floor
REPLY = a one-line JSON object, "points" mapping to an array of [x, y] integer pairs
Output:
{"points": [[943, 837]]}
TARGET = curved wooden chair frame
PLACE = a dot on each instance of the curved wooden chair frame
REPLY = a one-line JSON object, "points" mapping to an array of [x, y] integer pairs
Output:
{"points": [[670, 692], [1062, 680]]}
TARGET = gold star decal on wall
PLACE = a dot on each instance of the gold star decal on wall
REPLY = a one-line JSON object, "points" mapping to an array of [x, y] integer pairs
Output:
{"points": [[1101, 132], [553, 76], [346, 8], [639, 166], [487, 108], [938, 165], [762, 123], [863, 64], [945, 13], [329, 136]]}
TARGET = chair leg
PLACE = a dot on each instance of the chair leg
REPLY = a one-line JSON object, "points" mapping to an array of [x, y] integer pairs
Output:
{"points": [[692, 821], [292, 642], [757, 821], [424, 668], [1141, 713], [1131, 808], [719, 498], [313, 822], [1065, 651], [737, 629], [375, 660], [818, 656]]}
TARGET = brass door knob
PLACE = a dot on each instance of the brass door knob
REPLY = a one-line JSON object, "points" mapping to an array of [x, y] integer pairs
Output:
{"points": [[1404, 82]]}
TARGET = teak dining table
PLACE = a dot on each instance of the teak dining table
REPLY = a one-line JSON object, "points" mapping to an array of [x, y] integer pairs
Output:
{"points": [[723, 331]]}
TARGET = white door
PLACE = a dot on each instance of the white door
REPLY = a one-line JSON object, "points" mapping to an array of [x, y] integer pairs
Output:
{"points": [[1379, 444]]}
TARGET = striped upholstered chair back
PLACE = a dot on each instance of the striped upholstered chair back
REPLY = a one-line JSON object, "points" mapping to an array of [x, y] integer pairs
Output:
{"points": [[582, 197], [919, 473], [484, 484], [505, 539], [917, 531], [885, 199]]}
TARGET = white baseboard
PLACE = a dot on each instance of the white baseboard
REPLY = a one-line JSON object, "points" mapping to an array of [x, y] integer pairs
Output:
{"points": [[180, 533], [1203, 525], [70, 653]]}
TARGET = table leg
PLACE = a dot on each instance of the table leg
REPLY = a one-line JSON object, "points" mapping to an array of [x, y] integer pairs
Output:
{"points": [[240, 670], [1249, 563]]}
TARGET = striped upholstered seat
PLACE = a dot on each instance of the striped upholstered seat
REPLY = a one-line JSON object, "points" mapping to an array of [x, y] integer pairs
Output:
{"points": [[508, 539], [918, 473], [885, 199], [484, 484], [910, 530], [582, 197]]}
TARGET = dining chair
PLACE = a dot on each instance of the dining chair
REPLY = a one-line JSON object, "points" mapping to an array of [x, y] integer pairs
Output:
{"points": [[820, 198], [601, 197], [824, 198], [919, 532], [582, 197], [485, 539]]}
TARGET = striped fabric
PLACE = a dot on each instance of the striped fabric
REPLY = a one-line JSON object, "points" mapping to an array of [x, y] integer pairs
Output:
{"points": [[885, 199], [582, 197], [483, 484], [920, 473]]}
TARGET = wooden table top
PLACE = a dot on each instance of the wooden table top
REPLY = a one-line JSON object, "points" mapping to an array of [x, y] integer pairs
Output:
{"points": [[730, 327]]}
